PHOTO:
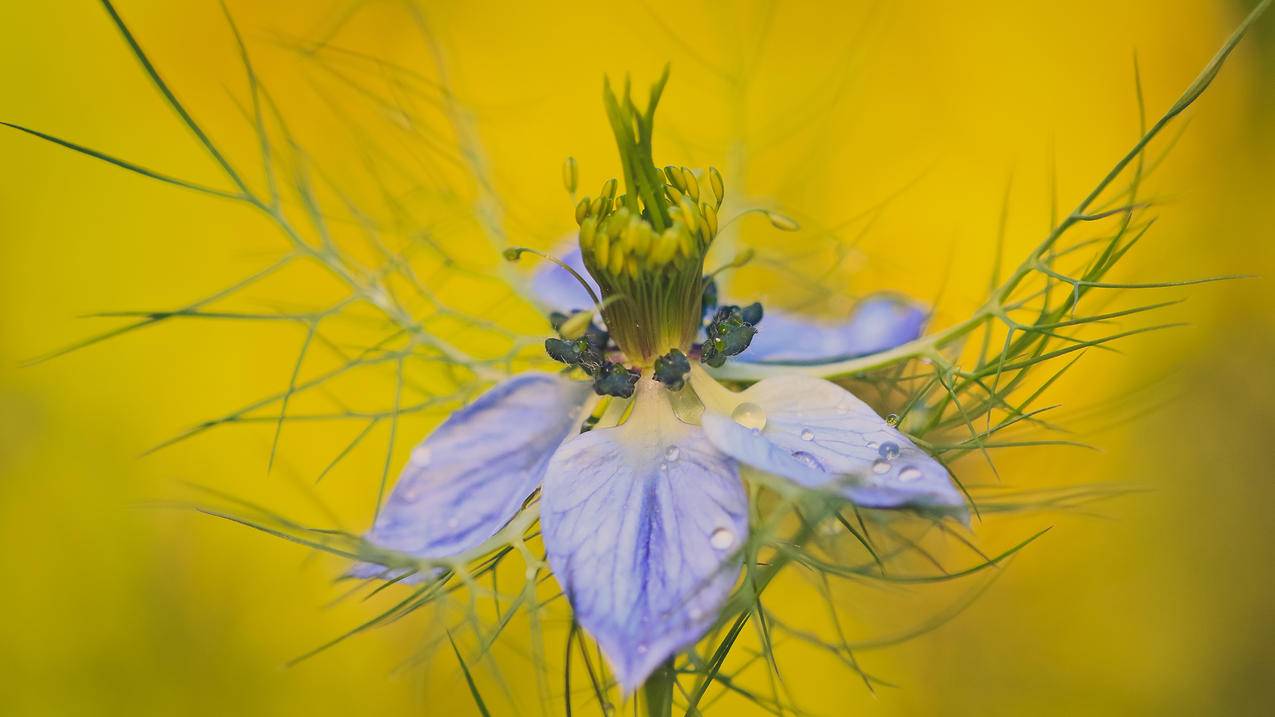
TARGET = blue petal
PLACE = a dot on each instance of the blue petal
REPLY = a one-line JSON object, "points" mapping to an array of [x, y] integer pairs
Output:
{"points": [[819, 435], [643, 524], [556, 288], [468, 478], [879, 323]]}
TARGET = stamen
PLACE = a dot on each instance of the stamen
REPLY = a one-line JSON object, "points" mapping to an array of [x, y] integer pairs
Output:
{"points": [[515, 253]]}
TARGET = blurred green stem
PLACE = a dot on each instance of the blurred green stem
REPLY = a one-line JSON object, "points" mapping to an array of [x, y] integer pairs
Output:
{"points": [[658, 691]]}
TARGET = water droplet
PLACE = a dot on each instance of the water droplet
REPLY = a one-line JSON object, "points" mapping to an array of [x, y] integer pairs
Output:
{"points": [[880, 466], [909, 474], [672, 453], [892, 419], [888, 450], [663, 467], [749, 415], [807, 435], [696, 613], [809, 461], [642, 648], [843, 410], [421, 455], [722, 538], [872, 445]]}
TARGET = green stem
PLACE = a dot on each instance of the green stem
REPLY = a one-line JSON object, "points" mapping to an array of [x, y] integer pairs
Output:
{"points": [[658, 691]]}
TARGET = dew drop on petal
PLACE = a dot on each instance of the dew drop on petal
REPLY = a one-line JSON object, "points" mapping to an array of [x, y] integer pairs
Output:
{"points": [[888, 450], [663, 467], [807, 435], [696, 613], [872, 445], [892, 419], [749, 415], [642, 648], [722, 538], [909, 474], [880, 466], [809, 461], [421, 455], [672, 453]]}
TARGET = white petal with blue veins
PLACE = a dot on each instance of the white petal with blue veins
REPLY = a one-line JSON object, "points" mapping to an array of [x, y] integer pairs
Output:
{"points": [[878, 323], [819, 435], [643, 524], [472, 474]]}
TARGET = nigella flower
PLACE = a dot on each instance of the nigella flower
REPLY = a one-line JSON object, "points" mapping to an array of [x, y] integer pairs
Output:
{"points": [[643, 510]]}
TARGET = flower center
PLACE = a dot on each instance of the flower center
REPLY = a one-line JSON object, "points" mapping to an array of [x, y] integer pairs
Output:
{"points": [[646, 247]]}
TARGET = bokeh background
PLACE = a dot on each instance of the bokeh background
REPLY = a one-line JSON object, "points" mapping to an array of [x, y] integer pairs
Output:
{"points": [[1154, 603]]}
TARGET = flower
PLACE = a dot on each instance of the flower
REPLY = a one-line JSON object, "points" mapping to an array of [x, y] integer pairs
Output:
{"points": [[644, 514]]}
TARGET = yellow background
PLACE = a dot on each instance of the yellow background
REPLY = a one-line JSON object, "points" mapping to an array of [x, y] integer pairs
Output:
{"points": [[1159, 605]]}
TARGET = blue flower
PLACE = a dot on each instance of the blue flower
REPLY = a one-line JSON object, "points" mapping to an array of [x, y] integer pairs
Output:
{"points": [[643, 512]]}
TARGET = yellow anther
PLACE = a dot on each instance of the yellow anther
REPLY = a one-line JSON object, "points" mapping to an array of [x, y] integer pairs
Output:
{"points": [[674, 195], [664, 247], [601, 248], [689, 184], [686, 243], [582, 210], [615, 262], [575, 326], [710, 216], [587, 229], [690, 217], [782, 222], [608, 189], [719, 188], [674, 176], [644, 236], [569, 175], [595, 207], [629, 236]]}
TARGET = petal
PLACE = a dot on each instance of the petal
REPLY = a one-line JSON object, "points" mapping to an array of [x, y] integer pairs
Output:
{"points": [[643, 524], [878, 323], [472, 474], [819, 435], [556, 288]]}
